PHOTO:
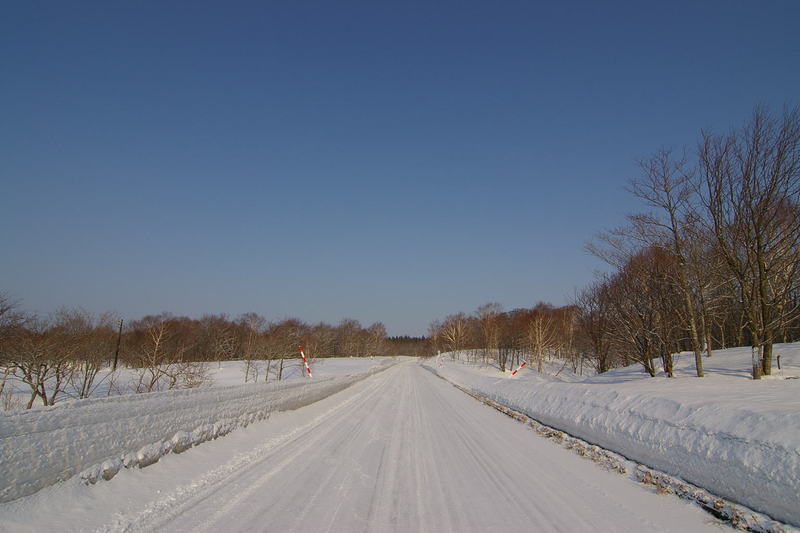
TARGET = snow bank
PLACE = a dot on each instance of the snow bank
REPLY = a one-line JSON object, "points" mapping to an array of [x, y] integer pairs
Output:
{"points": [[735, 437], [99, 436]]}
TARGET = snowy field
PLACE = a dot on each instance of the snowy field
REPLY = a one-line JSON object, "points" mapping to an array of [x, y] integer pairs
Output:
{"points": [[734, 436], [217, 374]]}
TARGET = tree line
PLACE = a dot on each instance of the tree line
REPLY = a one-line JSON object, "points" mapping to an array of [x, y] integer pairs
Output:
{"points": [[70, 352], [508, 337], [712, 262]]}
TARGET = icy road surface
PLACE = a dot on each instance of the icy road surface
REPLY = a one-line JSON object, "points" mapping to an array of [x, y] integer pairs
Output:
{"points": [[400, 451]]}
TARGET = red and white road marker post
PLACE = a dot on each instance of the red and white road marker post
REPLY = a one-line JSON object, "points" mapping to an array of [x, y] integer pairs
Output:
{"points": [[514, 373], [305, 361]]}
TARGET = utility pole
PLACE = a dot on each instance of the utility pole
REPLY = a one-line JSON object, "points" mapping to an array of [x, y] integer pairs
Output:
{"points": [[119, 340]]}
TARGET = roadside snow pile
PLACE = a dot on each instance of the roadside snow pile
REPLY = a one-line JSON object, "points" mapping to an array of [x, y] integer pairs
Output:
{"points": [[731, 435], [97, 437]]}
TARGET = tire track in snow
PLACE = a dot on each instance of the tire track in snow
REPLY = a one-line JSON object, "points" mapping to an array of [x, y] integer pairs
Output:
{"points": [[185, 498], [405, 451]]}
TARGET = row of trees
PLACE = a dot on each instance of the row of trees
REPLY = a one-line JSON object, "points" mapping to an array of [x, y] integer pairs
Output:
{"points": [[251, 338], [69, 352], [493, 335], [715, 259], [52, 355], [712, 263]]}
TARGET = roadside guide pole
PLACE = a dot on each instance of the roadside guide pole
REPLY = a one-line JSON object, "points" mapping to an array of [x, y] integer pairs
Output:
{"points": [[514, 373], [305, 361]]}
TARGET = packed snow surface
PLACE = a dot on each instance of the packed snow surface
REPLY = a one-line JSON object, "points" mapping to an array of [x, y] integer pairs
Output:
{"points": [[399, 451], [734, 436]]}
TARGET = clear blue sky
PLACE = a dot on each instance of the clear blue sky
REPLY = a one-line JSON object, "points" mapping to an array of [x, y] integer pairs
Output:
{"points": [[390, 162]]}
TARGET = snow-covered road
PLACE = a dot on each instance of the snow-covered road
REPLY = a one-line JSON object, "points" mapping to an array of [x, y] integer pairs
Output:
{"points": [[408, 452], [400, 451]]}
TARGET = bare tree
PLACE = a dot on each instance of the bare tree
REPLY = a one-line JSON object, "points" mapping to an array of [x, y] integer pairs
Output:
{"points": [[282, 340], [11, 320], [151, 357], [376, 339], [565, 325], [159, 356], [540, 335], [321, 339], [594, 322], [435, 335], [351, 338], [44, 353], [751, 190], [252, 345], [639, 295], [215, 339], [454, 333], [489, 319], [666, 185], [95, 338]]}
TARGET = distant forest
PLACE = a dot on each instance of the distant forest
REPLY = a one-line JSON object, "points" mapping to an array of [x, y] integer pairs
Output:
{"points": [[68, 349]]}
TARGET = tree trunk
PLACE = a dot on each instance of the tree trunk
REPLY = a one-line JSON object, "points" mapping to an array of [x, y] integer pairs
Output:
{"points": [[666, 358], [649, 367], [766, 357], [34, 394], [698, 354], [6, 373], [756, 362], [706, 332]]}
